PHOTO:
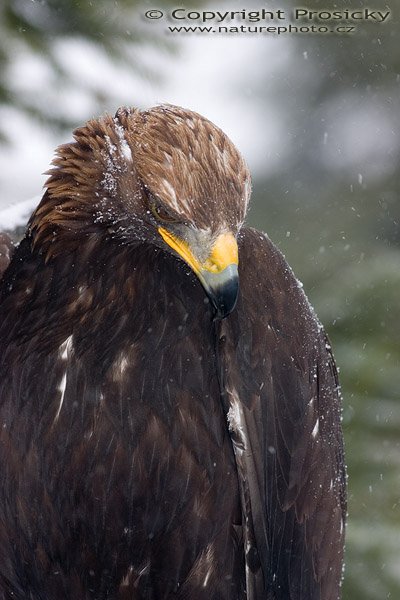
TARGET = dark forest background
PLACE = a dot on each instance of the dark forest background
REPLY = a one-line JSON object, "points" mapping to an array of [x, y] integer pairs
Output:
{"points": [[331, 204]]}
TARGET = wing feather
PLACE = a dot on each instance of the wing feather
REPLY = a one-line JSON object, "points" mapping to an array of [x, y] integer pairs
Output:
{"points": [[279, 376]]}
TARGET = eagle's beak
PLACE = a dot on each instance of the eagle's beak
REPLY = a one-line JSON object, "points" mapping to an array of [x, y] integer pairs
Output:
{"points": [[218, 274]]}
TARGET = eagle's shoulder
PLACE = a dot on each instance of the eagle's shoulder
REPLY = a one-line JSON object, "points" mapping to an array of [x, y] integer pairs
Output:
{"points": [[266, 277], [6, 251]]}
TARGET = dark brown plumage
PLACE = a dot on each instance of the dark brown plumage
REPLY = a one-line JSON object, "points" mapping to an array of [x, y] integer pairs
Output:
{"points": [[149, 448]]}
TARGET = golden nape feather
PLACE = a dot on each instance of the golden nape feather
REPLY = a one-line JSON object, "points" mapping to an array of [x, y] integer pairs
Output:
{"points": [[169, 403]]}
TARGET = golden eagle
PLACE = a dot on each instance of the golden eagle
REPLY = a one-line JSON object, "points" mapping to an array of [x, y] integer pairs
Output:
{"points": [[157, 441]]}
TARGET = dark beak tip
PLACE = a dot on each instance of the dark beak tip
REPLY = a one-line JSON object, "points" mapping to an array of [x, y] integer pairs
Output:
{"points": [[222, 289], [224, 298]]}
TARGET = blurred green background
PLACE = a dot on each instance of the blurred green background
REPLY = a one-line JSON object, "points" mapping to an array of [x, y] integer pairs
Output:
{"points": [[317, 117]]}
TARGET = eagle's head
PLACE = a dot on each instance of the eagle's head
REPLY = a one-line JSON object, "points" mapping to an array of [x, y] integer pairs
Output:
{"points": [[165, 176]]}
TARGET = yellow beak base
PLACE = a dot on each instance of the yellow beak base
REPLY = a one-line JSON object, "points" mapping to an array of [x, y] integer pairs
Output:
{"points": [[224, 252]]}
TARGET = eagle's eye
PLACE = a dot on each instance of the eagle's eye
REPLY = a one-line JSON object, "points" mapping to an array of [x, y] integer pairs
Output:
{"points": [[160, 213]]}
